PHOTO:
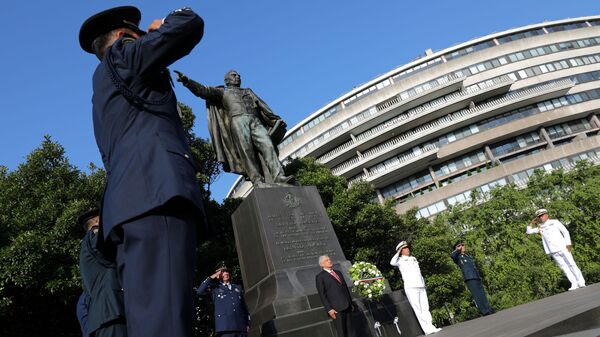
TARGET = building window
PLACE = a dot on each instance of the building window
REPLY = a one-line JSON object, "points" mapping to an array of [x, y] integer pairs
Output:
{"points": [[569, 128], [568, 26], [515, 144]]}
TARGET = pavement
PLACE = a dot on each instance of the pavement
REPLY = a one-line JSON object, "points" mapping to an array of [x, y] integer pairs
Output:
{"points": [[570, 314]]}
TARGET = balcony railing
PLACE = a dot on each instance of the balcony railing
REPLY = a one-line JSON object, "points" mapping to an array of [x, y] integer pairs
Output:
{"points": [[424, 109], [342, 167], [324, 158], [522, 183], [458, 116], [445, 121], [405, 159], [361, 119], [435, 105]]}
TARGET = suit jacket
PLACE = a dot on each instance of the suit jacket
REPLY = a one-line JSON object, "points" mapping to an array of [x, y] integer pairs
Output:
{"points": [[137, 127], [231, 313], [103, 295], [466, 264], [333, 294]]}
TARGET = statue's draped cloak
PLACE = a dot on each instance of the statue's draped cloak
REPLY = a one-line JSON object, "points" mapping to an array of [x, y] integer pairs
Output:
{"points": [[224, 142]]}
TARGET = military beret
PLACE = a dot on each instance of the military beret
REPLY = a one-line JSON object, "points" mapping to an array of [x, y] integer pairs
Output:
{"points": [[541, 211], [105, 21], [83, 218]]}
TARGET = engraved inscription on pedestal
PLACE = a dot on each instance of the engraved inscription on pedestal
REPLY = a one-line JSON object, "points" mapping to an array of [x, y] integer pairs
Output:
{"points": [[284, 230], [298, 229], [299, 237]]}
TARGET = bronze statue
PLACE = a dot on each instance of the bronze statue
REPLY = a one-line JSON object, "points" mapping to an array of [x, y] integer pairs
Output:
{"points": [[237, 121]]}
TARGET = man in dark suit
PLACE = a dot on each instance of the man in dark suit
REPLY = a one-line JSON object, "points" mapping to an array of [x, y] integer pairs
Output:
{"points": [[152, 201], [335, 297], [231, 314], [471, 276], [100, 309]]}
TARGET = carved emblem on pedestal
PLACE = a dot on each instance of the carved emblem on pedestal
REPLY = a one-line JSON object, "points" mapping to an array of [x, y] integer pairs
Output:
{"points": [[291, 201]]}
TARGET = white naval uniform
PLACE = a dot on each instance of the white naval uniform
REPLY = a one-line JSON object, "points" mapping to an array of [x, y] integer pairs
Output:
{"points": [[414, 287], [556, 238]]}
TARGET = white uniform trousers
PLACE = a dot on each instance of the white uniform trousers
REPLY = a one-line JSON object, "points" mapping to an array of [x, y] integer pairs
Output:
{"points": [[565, 262], [417, 297]]}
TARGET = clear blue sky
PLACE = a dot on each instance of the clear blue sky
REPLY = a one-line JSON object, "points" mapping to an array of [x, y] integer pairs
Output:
{"points": [[296, 55]]}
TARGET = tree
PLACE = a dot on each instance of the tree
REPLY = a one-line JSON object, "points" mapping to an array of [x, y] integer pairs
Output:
{"points": [[39, 251], [40, 240], [362, 225], [308, 172], [513, 265]]}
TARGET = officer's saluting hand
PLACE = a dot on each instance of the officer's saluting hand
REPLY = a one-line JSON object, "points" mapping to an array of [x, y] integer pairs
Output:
{"points": [[231, 313]]}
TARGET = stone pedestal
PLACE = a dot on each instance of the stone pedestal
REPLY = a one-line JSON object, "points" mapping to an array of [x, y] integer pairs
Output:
{"points": [[280, 234]]}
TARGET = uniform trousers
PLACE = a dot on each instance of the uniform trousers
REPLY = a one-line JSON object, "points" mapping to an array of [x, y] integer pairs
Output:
{"points": [[417, 297], [343, 323], [253, 140], [476, 288], [566, 263], [156, 260]]}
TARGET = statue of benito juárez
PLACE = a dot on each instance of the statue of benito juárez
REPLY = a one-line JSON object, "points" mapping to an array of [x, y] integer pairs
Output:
{"points": [[238, 121]]}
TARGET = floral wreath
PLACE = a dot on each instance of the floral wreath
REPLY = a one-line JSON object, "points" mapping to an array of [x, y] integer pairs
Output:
{"points": [[367, 279]]}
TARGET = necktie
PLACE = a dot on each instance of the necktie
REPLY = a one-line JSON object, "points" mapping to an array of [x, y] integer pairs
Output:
{"points": [[335, 275]]}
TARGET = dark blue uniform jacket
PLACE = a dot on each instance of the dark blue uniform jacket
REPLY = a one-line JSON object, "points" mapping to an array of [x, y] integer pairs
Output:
{"points": [[103, 295], [466, 264], [137, 127], [82, 313], [231, 313]]}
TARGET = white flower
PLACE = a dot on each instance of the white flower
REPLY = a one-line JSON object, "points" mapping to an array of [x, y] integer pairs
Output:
{"points": [[356, 283], [370, 295]]}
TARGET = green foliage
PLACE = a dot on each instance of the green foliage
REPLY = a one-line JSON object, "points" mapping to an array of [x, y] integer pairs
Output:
{"points": [[202, 152], [39, 248], [362, 225], [40, 239], [513, 265], [310, 173]]}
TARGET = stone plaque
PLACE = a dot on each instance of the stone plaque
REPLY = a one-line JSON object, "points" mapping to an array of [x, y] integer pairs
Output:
{"points": [[281, 228]]}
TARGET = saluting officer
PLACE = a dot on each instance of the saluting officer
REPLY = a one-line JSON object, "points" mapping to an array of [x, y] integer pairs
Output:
{"points": [[100, 308], [557, 242], [152, 202], [471, 276], [414, 286], [231, 314]]}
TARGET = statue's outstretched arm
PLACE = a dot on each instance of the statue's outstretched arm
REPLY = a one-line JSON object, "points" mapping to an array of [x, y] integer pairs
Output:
{"points": [[202, 91]]}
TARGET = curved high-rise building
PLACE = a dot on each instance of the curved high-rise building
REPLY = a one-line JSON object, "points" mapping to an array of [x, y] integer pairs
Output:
{"points": [[480, 114]]}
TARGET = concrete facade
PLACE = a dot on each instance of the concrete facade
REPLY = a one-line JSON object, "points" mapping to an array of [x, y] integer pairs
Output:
{"points": [[485, 111]]}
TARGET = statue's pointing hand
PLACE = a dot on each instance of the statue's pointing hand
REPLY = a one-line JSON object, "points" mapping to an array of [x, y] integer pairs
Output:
{"points": [[181, 77]]}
